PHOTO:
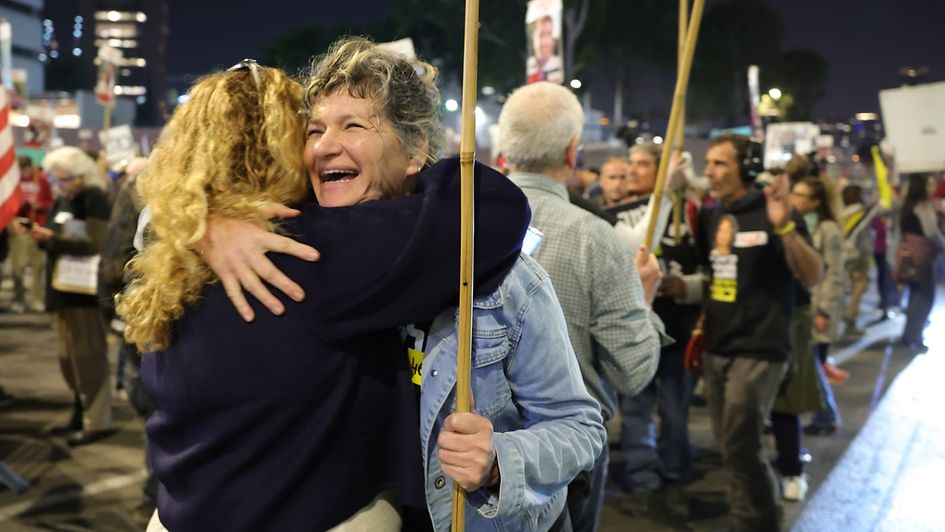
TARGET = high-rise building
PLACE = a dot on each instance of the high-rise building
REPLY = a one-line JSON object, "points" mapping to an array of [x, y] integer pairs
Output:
{"points": [[26, 25], [139, 29]]}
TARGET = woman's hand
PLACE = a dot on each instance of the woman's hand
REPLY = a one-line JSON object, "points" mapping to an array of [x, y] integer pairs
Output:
{"points": [[236, 251], [40, 234], [466, 453]]}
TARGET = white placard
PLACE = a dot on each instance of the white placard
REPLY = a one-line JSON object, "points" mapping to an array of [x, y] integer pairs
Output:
{"points": [[915, 126], [119, 143], [784, 139]]}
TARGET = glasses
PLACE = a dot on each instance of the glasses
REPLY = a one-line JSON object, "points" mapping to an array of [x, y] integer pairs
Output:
{"points": [[247, 64], [65, 180]]}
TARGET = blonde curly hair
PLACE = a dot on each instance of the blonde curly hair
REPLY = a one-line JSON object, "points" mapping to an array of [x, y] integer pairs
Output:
{"points": [[228, 151], [405, 92]]}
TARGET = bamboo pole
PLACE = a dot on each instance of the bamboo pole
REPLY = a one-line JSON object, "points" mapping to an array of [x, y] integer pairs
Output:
{"points": [[683, 25], [680, 140], [679, 97], [467, 157]]}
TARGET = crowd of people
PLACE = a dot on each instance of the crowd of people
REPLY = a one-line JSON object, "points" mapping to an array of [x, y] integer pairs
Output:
{"points": [[281, 274]]}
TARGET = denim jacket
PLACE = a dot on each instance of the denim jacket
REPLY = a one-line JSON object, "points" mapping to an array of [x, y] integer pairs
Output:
{"points": [[526, 381]]}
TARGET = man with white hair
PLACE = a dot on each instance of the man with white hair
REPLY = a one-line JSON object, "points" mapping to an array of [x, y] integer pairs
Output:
{"points": [[592, 269]]}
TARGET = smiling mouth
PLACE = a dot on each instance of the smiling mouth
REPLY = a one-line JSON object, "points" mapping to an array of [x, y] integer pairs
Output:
{"points": [[333, 176]]}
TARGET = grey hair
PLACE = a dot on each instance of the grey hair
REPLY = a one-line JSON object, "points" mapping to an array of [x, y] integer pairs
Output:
{"points": [[405, 91], [650, 148], [73, 161], [536, 125]]}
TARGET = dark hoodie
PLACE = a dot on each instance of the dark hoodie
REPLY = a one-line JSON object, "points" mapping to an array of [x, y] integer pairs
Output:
{"points": [[751, 290], [295, 422]]}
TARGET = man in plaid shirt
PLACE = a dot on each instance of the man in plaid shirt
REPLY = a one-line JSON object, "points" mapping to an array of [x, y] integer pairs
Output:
{"points": [[615, 335]]}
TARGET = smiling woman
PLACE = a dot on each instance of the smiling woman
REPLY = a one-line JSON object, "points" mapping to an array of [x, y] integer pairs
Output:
{"points": [[373, 123]]}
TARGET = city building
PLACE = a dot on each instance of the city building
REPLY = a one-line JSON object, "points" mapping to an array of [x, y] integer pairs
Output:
{"points": [[139, 29], [27, 45]]}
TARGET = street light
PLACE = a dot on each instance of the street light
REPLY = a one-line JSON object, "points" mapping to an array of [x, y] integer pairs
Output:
{"points": [[576, 84], [451, 105], [775, 93]]}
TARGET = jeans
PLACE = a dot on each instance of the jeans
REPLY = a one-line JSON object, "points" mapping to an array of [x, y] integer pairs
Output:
{"points": [[831, 414], [586, 495], [740, 392], [651, 459], [787, 439], [921, 299], [884, 285]]}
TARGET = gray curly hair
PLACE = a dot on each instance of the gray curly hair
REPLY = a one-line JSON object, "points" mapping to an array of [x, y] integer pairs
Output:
{"points": [[405, 92]]}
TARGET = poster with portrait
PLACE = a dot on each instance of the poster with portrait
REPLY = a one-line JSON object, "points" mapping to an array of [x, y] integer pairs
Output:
{"points": [[784, 139], [543, 38]]}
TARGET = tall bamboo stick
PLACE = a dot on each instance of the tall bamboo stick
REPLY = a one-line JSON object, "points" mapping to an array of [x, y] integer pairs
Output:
{"points": [[680, 140], [683, 26], [679, 97], [467, 157]]}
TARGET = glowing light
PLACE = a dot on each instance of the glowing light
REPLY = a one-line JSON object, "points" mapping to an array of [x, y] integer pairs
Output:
{"points": [[114, 16], [658, 139], [576, 84], [775, 93], [451, 105]]}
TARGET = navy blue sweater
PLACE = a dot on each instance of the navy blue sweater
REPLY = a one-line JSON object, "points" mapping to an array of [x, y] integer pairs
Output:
{"points": [[296, 422]]}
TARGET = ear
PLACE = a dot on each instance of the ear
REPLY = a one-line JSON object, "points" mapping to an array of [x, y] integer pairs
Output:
{"points": [[418, 158], [571, 154]]}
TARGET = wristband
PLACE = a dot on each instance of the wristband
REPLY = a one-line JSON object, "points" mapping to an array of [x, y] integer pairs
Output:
{"points": [[789, 227]]}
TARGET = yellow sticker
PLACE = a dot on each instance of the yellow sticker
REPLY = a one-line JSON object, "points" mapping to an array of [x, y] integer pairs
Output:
{"points": [[724, 290], [416, 365]]}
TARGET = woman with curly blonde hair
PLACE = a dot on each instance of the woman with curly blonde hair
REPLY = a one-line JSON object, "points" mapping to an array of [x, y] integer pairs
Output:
{"points": [[308, 420], [234, 165]]}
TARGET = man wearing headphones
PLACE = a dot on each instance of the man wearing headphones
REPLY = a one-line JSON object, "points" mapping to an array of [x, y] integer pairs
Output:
{"points": [[747, 314]]}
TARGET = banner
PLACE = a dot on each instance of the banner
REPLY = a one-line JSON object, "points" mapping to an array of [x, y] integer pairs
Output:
{"points": [[754, 97], [783, 140], [41, 130], [107, 60], [543, 35], [6, 55], [915, 126], [118, 144]]}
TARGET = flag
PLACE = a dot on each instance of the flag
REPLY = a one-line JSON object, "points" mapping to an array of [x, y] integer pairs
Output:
{"points": [[10, 194]]}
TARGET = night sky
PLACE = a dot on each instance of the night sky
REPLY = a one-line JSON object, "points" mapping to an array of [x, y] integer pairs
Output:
{"points": [[865, 42]]}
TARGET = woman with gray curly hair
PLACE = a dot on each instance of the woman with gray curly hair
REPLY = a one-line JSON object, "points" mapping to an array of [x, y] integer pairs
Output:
{"points": [[76, 227], [372, 131]]}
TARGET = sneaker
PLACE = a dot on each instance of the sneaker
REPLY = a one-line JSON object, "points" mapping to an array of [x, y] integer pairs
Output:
{"points": [[794, 488], [834, 374]]}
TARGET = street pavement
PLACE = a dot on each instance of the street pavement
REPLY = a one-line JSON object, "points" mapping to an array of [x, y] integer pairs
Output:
{"points": [[97, 487]]}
